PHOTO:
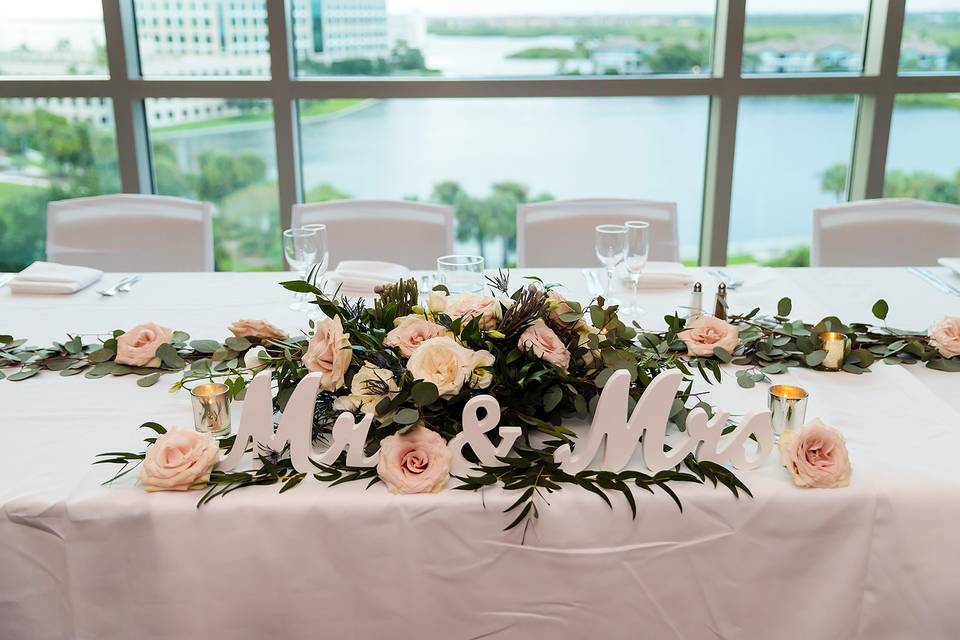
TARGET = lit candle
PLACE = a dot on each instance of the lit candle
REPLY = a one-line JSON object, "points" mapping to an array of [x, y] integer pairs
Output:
{"points": [[836, 345], [788, 407], [211, 409]]}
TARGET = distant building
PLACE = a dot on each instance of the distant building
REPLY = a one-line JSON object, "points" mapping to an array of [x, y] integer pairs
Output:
{"points": [[923, 55], [621, 56], [409, 27]]}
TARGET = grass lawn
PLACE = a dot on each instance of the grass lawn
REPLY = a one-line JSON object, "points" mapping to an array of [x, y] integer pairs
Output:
{"points": [[308, 109], [8, 189]]}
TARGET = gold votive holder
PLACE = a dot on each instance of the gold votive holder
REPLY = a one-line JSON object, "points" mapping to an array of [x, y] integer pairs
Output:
{"points": [[837, 346], [788, 407], [211, 409]]}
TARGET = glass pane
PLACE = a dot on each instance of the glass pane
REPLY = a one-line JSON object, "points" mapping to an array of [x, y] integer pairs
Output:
{"points": [[792, 155], [501, 152], [922, 160], [931, 36], [471, 38], [229, 161], [804, 36], [203, 37], [34, 44], [50, 149]]}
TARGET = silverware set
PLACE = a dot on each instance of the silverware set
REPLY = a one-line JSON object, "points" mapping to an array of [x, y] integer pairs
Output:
{"points": [[122, 286], [593, 282], [930, 278], [723, 277]]}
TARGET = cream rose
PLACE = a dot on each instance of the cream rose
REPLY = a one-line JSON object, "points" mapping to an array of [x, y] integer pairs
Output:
{"points": [[816, 456], [545, 344], [471, 305], [179, 460], [945, 336], [705, 333], [251, 359], [138, 346], [370, 385], [417, 461], [329, 353], [259, 329], [444, 362], [410, 331], [437, 301]]}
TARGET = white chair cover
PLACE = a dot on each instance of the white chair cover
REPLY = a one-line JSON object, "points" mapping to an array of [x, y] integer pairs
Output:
{"points": [[891, 232], [561, 231], [413, 234], [131, 232]]}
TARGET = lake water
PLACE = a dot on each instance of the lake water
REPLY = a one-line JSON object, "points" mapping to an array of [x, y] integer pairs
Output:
{"points": [[598, 147]]}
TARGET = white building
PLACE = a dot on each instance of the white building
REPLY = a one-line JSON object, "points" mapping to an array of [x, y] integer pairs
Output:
{"points": [[621, 56]]}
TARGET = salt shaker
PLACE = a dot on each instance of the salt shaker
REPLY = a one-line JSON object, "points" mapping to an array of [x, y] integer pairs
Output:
{"points": [[720, 308]]}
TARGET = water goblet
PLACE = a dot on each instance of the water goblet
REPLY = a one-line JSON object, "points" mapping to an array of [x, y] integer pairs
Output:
{"points": [[635, 258], [610, 244], [300, 250]]}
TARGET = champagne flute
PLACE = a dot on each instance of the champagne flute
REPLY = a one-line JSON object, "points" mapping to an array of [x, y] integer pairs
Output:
{"points": [[300, 250], [610, 246], [635, 259]]}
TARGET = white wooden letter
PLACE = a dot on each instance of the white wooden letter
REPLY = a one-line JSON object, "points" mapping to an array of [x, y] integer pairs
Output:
{"points": [[474, 433]]}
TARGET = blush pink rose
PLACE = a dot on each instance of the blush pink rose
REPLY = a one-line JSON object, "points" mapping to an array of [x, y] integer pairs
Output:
{"points": [[410, 331], [816, 456], [179, 460], [545, 344], [417, 461], [557, 306], [329, 353], [945, 337], [471, 305], [138, 346], [704, 333], [259, 329]]}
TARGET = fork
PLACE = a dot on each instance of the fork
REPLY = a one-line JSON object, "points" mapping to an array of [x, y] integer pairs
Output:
{"points": [[112, 291], [722, 276], [125, 287], [926, 274]]}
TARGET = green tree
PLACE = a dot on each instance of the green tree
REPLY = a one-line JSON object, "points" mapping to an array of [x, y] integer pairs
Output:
{"points": [[676, 58], [834, 180], [223, 173]]}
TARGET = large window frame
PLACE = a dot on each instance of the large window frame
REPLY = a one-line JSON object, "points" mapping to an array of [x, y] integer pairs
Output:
{"points": [[877, 87]]}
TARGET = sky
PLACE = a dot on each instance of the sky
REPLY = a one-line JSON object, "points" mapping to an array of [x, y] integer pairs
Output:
{"points": [[67, 9]]}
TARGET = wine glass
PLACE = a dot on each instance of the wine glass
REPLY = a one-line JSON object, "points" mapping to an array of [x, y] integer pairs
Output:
{"points": [[635, 259], [300, 250], [610, 245], [322, 261]]}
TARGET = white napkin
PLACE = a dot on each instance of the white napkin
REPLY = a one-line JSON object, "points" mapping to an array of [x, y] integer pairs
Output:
{"points": [[659, 275], [357, 278], [951, 263], [50, 277]]}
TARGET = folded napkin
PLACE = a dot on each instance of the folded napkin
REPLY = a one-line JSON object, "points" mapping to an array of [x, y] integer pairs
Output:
{"points": [[357, 278], [50, 277], [659, 275], [951, 263]]}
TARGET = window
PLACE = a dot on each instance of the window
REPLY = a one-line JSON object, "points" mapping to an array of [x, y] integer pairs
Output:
{"points": [[31, 44], [804, 36], [229, 161], [922, 160], [526, 38], [931, 36], [49, 153], [791, 157]]}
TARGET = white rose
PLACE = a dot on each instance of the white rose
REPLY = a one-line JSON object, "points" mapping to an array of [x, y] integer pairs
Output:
{"points": [[945, 336], [251, 359], [437, 301], [370, 385], [443, 362]]}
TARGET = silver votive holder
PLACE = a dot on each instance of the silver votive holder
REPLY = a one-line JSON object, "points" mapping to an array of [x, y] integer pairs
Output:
{"points": [[788, 407], [837, 346], [211, 409]]}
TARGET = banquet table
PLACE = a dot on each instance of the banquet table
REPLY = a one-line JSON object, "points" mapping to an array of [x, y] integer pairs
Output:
{"points": [[875, 560]]}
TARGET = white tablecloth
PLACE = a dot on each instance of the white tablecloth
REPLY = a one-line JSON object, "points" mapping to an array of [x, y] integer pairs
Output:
{"points": [[876, 560]]}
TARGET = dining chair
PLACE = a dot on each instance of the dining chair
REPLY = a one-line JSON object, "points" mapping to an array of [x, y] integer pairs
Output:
{"points": [[886, 232], [413, 234], [562, 230], [131, 232]]}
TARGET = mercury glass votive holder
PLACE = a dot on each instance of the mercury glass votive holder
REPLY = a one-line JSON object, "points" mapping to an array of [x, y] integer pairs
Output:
{"points": [[837, 346], [788, 407], [211, 409]]}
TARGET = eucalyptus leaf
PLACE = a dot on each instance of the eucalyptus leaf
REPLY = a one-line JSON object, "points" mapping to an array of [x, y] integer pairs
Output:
{"points": [[406, 416], [815, 358], [880, 309], [149, 380], [205, 346], [23, 374], [237, 344], [784, 307]]}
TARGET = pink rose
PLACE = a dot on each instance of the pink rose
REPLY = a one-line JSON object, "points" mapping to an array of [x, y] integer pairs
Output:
{"points": [[704, 333], [417, 461], [410, 331], [179, 460], [329, 353], [816, 456], [945, 336], [138, 346], [545, 344], [471, 305], [259, 329]]}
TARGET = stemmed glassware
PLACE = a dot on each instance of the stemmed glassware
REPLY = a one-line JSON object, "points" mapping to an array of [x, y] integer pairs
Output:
{"points": [[322, 261], [610, 244], [300, 250], [635, 259]]}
